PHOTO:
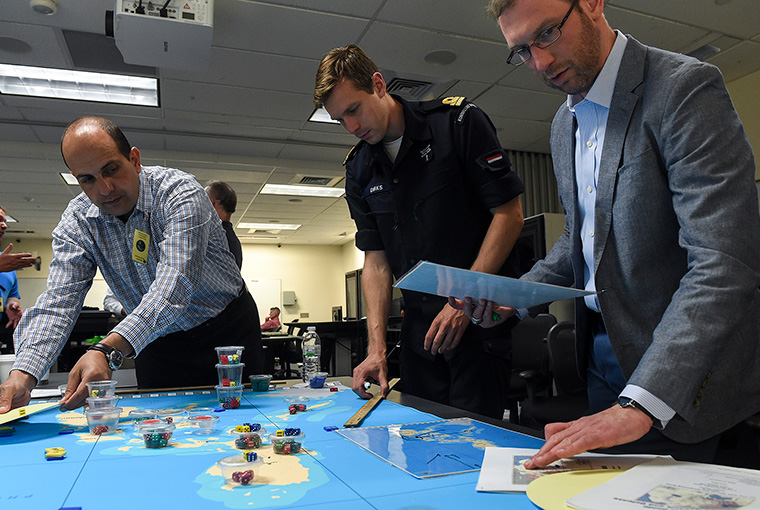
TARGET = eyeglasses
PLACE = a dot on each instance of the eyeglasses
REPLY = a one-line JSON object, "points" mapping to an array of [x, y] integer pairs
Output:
{"points": [[543, 40]]}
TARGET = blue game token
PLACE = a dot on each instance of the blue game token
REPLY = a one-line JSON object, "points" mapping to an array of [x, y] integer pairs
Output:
{"points": [[219, 410], [330, 428], [67, 430]]}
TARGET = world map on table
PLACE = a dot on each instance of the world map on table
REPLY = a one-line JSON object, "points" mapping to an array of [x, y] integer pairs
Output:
{"points": [[431, 448]]}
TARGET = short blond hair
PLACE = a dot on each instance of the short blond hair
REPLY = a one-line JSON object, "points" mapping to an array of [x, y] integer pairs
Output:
{"points": [[348, 62]]}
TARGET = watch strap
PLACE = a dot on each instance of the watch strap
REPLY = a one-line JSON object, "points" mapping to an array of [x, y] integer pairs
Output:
{"points": [[107, 350]]}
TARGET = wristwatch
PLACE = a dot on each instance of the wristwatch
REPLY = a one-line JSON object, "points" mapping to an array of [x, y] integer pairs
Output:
{"points": [[629, 402], [114, 357]]}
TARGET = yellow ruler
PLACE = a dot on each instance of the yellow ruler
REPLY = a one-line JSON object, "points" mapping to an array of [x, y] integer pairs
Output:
{"points": [[362, 413], [23, 412]]}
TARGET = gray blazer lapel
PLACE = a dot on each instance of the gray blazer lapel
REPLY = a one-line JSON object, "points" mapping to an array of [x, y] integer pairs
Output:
{"points": [[624, 100]]}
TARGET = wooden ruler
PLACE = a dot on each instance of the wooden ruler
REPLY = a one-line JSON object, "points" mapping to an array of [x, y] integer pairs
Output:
{"points": [[362, 413]]}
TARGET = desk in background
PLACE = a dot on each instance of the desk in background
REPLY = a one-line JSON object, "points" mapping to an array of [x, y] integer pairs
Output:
{"points": [[344, 343]]}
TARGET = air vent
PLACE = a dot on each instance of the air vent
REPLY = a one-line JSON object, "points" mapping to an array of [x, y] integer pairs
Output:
{"points": [[413, 89], [416, 88], [315, 180]]}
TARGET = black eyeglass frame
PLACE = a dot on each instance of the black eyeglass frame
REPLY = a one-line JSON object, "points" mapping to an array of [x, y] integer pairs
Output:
{"points": [[541, 45]]}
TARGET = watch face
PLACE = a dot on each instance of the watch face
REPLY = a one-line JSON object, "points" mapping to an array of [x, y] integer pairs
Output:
{"points": [[116, 359]]}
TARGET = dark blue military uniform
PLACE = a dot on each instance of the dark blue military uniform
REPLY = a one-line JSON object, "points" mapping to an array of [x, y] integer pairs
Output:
{"points": [[434, 204]]}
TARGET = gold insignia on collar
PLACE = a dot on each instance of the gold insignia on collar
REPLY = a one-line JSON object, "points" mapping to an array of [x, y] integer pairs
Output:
{"points": [[453, 100]]}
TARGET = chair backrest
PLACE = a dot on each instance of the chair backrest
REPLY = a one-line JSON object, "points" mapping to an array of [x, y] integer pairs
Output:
{"points": [[292, 327], [529, 343], [564, 360]]}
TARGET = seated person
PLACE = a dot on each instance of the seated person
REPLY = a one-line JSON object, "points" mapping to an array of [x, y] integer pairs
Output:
{"points": [[272, 322]]}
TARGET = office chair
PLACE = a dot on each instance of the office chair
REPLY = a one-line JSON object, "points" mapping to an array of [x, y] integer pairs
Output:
{"points": [[571, 399], [530, 362]]}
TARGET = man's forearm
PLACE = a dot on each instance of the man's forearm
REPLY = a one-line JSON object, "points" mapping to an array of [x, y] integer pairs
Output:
{"points": [[500, 238], [376, 283]]}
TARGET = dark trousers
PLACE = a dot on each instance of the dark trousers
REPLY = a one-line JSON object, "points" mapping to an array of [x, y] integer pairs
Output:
{"points": [[606, 382], [188, 358], [473, 379]]}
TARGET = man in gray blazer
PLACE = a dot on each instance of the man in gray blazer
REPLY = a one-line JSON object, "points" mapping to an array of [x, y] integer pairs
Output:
{"points": [[656, 179]]}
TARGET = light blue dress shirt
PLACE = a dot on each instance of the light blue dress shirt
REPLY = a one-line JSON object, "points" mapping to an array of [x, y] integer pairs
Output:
{"points": [[591, 115]]}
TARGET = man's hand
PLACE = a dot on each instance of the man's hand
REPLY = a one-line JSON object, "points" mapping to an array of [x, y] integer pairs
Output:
{"points": [[446, 330], [16, 391], [92, 366], [611, 427], [489, 313], [14, 312], [12, 261], [373, 367]]}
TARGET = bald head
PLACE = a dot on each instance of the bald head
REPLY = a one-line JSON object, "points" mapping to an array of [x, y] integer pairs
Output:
{"points": [[88, 126]]}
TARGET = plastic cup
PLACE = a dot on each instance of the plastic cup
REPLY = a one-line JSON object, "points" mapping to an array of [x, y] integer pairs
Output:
{"points": [[62, 389], [140, 415], [157, 435], [237, 469], [172, 415], [200, 411], [229, 355], [286, 445], [248, 440], [101, 388], [318, 381], [260, 382], [229, 396], [230, 375], [101, 402], [103, 420], [203, 423]]}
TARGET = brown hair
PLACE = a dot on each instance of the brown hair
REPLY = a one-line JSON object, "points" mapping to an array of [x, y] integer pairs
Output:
{"points": [[348, 62]]}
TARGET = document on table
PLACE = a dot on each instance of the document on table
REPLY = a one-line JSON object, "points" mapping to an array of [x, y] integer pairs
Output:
{"points": [[666, 483], [503, 468], [447, 281]]}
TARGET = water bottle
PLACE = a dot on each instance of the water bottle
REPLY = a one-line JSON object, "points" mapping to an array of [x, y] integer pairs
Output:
{"points": [[312, 348]]}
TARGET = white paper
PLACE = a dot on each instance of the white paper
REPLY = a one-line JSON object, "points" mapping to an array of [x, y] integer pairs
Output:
{"points": [[667, 484], [503, 469], [448, 281]]}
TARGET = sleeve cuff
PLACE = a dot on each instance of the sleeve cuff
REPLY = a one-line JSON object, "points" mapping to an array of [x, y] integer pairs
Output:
{"points": [[654, 405]]}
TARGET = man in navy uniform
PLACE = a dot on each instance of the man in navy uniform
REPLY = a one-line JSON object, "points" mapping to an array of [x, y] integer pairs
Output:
{"points": [[428, 181]]}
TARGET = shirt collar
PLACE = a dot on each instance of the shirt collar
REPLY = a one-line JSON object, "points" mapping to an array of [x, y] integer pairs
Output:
{"points": [[604, 85]]}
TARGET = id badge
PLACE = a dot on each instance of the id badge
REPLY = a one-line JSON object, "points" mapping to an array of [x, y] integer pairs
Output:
{"points": [[2, 309], [140, 246]]}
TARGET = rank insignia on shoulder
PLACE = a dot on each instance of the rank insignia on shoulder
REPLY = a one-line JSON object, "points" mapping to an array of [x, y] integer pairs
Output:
{"points": [[351, 154], [453, 100]]}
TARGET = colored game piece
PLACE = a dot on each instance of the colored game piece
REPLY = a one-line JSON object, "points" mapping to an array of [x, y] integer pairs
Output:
{"points": [[250, 456], [286, 447], [223, 359], [100, 429], [225, 382], [330, 428], [280, 433], [255, 427], [333, 389], [65, 430], [292, 409], [55, 453], [219, 410], [7, 431], [248, 441]]}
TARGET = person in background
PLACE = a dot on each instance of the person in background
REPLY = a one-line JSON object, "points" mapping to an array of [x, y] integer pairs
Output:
{"points": [[272, 321], [154, 236], [12, 261], [225, 201], [10, 299], [428, 181], [111, 304], [656, 177]]}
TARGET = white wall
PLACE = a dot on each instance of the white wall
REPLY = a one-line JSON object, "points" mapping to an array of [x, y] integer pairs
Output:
{"points": [[744, 95], [315, 273]]}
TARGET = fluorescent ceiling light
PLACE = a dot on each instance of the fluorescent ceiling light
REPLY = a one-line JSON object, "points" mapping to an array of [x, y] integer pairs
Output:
{"points": [[69, 179], [268, 226], [78, 85], [321, 115], [10, 219], [303, 191]]}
